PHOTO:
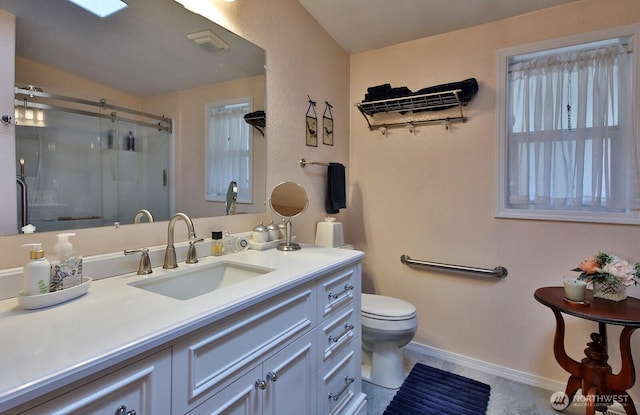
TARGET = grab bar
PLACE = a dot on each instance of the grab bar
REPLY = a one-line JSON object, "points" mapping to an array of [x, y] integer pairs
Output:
{"points": [[499, 271], [24, 208]]}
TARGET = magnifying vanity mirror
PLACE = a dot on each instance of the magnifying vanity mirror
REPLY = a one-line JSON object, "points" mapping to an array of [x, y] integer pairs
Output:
{"points": [[288, 200]]}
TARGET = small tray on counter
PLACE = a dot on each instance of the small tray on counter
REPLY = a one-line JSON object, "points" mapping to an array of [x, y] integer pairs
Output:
{"points": [[261, 246], [32, 302]]}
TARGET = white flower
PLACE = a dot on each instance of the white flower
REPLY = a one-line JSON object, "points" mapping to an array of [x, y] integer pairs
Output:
{"points": [[620, 269]]}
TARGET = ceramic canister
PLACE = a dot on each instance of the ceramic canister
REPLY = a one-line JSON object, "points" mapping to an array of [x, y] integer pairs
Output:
{"points": [[260, 233]]}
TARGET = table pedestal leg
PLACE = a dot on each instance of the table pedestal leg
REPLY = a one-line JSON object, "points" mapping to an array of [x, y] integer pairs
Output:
{"points": [[600, 386], [593, 374]]}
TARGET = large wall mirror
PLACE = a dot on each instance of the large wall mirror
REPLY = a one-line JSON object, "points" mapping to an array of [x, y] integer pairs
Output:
{"points": [[156, 59]]}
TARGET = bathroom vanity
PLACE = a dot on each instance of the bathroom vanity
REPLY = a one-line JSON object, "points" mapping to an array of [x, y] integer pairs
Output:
{"points": [[280, 342]]}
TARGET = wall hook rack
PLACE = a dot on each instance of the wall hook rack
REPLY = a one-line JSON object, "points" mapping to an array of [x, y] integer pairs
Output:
{"points": [[414, 103]]}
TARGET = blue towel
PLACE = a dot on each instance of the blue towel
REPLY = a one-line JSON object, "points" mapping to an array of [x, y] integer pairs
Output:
{"points": [[336, 193]]}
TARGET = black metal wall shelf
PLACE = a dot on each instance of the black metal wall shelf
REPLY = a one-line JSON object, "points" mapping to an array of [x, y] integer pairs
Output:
{"points": [[413, 103], [257, 120]]}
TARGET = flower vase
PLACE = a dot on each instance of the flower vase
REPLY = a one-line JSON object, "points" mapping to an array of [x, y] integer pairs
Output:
{"points": [[613, 292]]}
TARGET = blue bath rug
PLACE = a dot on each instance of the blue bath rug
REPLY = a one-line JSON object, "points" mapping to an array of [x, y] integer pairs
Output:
{"points": [[431, 391]]}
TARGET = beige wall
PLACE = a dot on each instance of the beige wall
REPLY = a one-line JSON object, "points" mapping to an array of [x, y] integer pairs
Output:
{"points": [[7, 145], [55, 81], [431, 196]]}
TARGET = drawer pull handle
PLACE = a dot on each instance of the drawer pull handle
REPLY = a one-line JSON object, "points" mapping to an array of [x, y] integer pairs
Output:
{"points": [[272, 376], [347, 287], [122, 410], [347, 329], [347, 381], [261, 384]]}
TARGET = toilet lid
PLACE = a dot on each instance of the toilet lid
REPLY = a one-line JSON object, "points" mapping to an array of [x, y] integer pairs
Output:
{"points": [[389, 308]]}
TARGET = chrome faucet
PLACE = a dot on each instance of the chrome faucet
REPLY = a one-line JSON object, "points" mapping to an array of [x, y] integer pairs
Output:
{"points": [[144, 267], [140, 214], [170, 253]]}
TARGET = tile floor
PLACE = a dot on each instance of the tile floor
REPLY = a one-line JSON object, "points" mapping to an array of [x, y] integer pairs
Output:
{"points": [[507, 397]]}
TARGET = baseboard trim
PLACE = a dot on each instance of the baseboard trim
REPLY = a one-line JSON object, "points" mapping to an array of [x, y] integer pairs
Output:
{"points": [[486, 367], [496, 370]]}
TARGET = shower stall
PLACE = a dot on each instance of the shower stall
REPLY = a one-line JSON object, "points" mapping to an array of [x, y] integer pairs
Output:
{"points": [[89, 163]]}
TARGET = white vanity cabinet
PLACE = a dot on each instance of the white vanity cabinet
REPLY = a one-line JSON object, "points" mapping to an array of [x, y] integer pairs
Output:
{"points": [[143, 387], [289, 347], [216, 356]]}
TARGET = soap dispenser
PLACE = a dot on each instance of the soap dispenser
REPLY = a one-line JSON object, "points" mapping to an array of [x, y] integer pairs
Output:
{"points": [[36, 272], [66, 268]]}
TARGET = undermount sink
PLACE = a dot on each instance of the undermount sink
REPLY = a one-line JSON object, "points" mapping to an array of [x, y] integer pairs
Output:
{"points": [[190, 283]]}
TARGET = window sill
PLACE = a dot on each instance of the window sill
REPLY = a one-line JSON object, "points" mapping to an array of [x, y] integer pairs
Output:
{"points": [[563, 216]]}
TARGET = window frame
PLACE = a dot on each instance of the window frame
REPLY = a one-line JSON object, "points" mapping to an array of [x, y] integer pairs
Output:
{"points": [[503, 57], [207, 121]]}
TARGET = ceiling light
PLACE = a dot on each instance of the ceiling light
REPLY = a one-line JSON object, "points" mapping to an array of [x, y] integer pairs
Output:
{"points": [[207, 37], [102, 8]]}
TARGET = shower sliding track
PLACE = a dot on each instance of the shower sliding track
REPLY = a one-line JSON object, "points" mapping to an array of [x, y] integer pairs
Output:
{"points": [[499, 271], [24, 97]]}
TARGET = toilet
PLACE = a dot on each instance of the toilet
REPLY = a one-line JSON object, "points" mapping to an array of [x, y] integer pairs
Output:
{"points": [[388, 324]]}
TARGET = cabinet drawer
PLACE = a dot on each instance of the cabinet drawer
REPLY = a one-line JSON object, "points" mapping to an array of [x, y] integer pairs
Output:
{"points": [[336, 291], [241, 397], [143, 387], [217, 355], [337, 332], [339, 383]]}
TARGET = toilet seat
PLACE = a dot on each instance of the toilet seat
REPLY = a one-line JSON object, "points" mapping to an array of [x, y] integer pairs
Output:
{"points": [[380, 307]]}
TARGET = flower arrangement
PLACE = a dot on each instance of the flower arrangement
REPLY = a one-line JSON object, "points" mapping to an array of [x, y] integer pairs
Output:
{"points": [[609, 274], [609, 270]]}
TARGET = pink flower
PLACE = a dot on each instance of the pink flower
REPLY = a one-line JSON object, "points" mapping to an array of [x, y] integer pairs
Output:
{"points": [[590, 266]]}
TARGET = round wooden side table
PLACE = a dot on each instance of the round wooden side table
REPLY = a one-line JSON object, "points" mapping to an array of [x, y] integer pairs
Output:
{"points": [[593, 374]]}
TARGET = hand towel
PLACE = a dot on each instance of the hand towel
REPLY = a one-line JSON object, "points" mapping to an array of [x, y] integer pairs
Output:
{"points": [[336, 188]]}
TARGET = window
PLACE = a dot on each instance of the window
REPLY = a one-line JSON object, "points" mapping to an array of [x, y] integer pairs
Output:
{"points": [[567, 146], [229, 150]]}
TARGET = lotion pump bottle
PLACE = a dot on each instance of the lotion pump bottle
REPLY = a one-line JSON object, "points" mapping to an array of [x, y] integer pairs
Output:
{"points": [[36, 272], [66, 268]]}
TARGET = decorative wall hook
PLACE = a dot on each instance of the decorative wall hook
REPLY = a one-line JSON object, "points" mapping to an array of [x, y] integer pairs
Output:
{"points": [[411, 127]]}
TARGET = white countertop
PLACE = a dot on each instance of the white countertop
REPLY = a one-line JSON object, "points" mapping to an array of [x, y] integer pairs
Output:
{"points": [[42, 350]]}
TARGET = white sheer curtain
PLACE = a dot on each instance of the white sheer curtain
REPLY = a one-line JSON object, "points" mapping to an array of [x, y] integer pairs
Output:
{"points": [[229, 152], [571, 144]]}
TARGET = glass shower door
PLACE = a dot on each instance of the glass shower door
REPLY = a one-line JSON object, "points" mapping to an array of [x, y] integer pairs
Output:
{"points": [[64, 190], [135, 164]]}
